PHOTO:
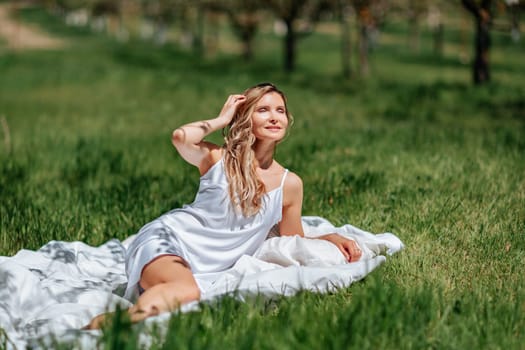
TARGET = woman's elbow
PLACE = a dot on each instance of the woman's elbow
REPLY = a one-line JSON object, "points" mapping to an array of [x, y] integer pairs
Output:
{"points": [[178, 137]]}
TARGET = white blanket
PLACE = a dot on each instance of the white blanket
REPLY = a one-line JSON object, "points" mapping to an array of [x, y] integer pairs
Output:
{"points": [[54, 291]]}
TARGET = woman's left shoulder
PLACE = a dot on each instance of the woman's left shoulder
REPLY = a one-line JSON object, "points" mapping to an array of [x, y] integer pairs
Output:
{"points": [[293, 182], [292, 191]]}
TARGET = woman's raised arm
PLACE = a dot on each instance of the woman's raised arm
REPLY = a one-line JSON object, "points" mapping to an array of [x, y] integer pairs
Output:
{"points": [[189, 138]]}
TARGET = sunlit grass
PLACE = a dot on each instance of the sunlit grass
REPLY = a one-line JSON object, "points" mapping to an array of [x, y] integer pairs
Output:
{"points": [[412, 149]]}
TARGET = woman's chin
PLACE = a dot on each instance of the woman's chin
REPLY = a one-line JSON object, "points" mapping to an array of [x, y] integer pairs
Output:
{"points": [[273, 136]]}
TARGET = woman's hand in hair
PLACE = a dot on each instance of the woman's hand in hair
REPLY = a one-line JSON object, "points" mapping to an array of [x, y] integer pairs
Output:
{"points": [[189, 140], [230, 106]]}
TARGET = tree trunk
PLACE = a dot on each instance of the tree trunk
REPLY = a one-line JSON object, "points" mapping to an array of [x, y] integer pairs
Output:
{"points": [[438, 39], [198, 39], [437, 27], [289, 47], [346, 44], [482, 15], [245, 27], [463, 54], [481, 71], [363, 49], [247, 47], [515, 21], [364, 23], [413, 38]]}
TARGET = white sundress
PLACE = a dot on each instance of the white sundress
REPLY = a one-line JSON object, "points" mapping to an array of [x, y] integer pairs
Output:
{"points": [[208, 233]]}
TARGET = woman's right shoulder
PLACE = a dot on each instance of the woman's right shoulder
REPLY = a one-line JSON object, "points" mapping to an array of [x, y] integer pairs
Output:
{"points": [[214, 155]]}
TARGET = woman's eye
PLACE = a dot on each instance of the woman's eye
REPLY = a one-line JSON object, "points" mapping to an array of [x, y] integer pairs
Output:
{"points": [[261, 110]]}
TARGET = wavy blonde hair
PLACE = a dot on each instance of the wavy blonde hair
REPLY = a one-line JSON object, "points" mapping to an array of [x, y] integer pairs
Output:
{"points": [[246, 189]]}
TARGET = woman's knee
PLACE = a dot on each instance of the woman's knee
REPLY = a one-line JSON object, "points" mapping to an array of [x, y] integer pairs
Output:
{"points": [[194, 293], [164, 269], [170, 279], [183, 291], [166, 297]]}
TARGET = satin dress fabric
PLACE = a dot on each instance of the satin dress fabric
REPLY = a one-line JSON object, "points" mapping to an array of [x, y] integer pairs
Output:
{"points": [[209, 234]]}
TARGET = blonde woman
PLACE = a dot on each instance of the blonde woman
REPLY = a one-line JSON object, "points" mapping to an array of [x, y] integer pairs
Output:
{"points": [[243, 193]]}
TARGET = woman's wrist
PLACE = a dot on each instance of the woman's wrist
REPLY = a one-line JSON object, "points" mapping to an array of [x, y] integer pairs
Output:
{"points": [[325, 237], [222, 122]]}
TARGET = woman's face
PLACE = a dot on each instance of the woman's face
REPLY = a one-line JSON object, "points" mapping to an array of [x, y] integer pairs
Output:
{"points": [[269, 118]]}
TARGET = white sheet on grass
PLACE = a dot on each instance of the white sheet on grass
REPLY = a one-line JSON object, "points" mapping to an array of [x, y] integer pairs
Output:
{"points": [[54, 291]]}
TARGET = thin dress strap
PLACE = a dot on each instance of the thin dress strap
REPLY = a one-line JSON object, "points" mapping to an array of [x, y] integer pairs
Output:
{"points": [[284, 177]]}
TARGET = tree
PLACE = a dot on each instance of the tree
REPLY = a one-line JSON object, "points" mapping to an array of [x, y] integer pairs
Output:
{"points": [[482, 13], [343, 10], [161, 13], [435, 23], [369, 14], [104, 12], [244, 18], [289, 11], [416, 10]]}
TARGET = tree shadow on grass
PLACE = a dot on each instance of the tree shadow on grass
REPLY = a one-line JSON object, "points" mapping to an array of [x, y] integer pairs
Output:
{"points": [[433, 60]]}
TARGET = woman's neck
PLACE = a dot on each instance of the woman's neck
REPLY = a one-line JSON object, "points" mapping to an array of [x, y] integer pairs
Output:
{"points": [[264, 154]]}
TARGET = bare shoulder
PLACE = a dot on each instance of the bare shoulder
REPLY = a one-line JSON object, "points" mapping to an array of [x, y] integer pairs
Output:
{"points": [[293, 182], [292, 206], [292, 190]]}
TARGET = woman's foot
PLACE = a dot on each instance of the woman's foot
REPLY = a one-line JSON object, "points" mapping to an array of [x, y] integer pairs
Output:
{"points": [[134, 313], [98, 321]]}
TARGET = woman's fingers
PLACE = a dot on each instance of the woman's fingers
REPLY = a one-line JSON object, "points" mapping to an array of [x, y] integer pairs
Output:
{"points": [[343, 250], [235, 98], [355, 252], [348, 247], [231, 104]]}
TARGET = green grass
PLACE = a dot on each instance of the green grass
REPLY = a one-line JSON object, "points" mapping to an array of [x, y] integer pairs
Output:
{"points": [[413, 149]]}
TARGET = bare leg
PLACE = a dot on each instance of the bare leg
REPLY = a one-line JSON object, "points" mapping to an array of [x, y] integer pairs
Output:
{"points": [[168, 283]]}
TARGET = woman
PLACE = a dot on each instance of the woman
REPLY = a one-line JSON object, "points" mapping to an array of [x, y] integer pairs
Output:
{"points": [[243, 193]]}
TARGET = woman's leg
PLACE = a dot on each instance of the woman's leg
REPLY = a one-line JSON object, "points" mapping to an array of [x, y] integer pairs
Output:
{"points": [[168, 283]]}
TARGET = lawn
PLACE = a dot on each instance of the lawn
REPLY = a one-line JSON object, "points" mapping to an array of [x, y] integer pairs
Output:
{"points": [[413, 149]]}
